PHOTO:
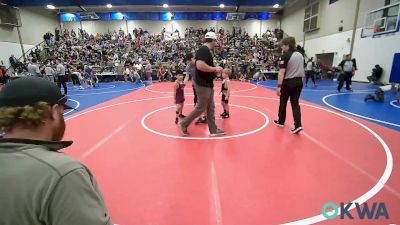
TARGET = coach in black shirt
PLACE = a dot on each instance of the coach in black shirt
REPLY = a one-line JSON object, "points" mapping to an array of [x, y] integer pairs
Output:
{"points": [[203, 83]]}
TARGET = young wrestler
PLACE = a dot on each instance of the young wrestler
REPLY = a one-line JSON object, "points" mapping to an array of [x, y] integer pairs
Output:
{"points": [[179, 94], [225, 91]]}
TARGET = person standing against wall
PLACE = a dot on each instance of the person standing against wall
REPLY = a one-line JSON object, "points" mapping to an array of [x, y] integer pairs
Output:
{"points": [[347, 68], [290, 83]]}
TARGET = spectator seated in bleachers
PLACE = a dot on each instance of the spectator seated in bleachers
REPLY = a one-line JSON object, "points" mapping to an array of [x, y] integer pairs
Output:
{"points": [[15, 63], [244, 54]]}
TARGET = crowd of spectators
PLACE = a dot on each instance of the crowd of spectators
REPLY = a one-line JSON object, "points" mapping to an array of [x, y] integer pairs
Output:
{"points": [[149, 56]]}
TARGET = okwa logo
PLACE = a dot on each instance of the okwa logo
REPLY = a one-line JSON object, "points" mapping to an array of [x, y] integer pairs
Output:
{"points": [[364, 211]]}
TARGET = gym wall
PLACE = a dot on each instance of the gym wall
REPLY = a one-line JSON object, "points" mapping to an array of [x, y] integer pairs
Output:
{"points": [[35, 23], [370, 51], [367, 51]]}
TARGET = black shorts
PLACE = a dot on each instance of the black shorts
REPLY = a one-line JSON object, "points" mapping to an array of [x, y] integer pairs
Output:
{"points": [[224, 99]]}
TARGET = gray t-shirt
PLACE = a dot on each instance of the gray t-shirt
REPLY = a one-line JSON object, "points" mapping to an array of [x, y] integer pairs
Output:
{"points": [[34, 70], [39, 185], [49, 71], [347, 65], [191, 71], [293, 62], [60, 70], [309, 66]]}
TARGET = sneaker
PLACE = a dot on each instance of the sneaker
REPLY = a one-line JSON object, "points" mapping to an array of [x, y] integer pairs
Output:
{"points": [[222, 114], [226, 116], [197, 121], [296, 130], [279, 124], [204, 120], [183, 130], [176, 120], [201, 120], [182, 116], [368, 97], [219, 132]]}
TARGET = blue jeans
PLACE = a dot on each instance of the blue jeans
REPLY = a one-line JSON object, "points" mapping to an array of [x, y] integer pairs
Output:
{"points": [[137, 79]]}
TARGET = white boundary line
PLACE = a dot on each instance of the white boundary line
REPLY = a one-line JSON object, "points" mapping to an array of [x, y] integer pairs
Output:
{"points": [[170, 92], [354, 114], [304, 89], [103, 140], [318, 218], [92, 89], [112, 105], [205, 138], [106, 92], [369, 194], [394, 105], [215, 199], [76, 107]]}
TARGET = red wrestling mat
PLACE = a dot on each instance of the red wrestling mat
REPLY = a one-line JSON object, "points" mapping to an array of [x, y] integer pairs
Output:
{"points": [[257, 174]]}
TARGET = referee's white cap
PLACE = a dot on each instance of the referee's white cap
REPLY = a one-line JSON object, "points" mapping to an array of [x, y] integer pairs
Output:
{"points": [[211, 35]]}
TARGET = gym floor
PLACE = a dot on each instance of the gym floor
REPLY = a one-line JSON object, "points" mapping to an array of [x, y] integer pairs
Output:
{"points": [[257, 174]]}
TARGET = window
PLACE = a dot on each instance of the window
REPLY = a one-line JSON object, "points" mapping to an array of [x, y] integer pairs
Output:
{"points": [[311, 17]]}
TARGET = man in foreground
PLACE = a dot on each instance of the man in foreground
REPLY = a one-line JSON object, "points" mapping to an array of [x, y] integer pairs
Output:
{"points": [[40, 185]]}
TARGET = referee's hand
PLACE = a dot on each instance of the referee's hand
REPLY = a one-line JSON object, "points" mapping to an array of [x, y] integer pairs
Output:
{"points": [[278, 91], [218, 70]]}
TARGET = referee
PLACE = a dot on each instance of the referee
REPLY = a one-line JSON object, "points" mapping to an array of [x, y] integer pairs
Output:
{"points": [[290, 83]]}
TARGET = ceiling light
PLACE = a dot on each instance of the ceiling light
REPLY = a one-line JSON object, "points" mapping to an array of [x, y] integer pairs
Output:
{"points": [[165, 5], [51, 7], [109, 6], [276, 6], [221, 6]]}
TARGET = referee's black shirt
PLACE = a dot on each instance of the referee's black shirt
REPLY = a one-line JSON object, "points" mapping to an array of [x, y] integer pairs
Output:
{"points": [[204, 79]]}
